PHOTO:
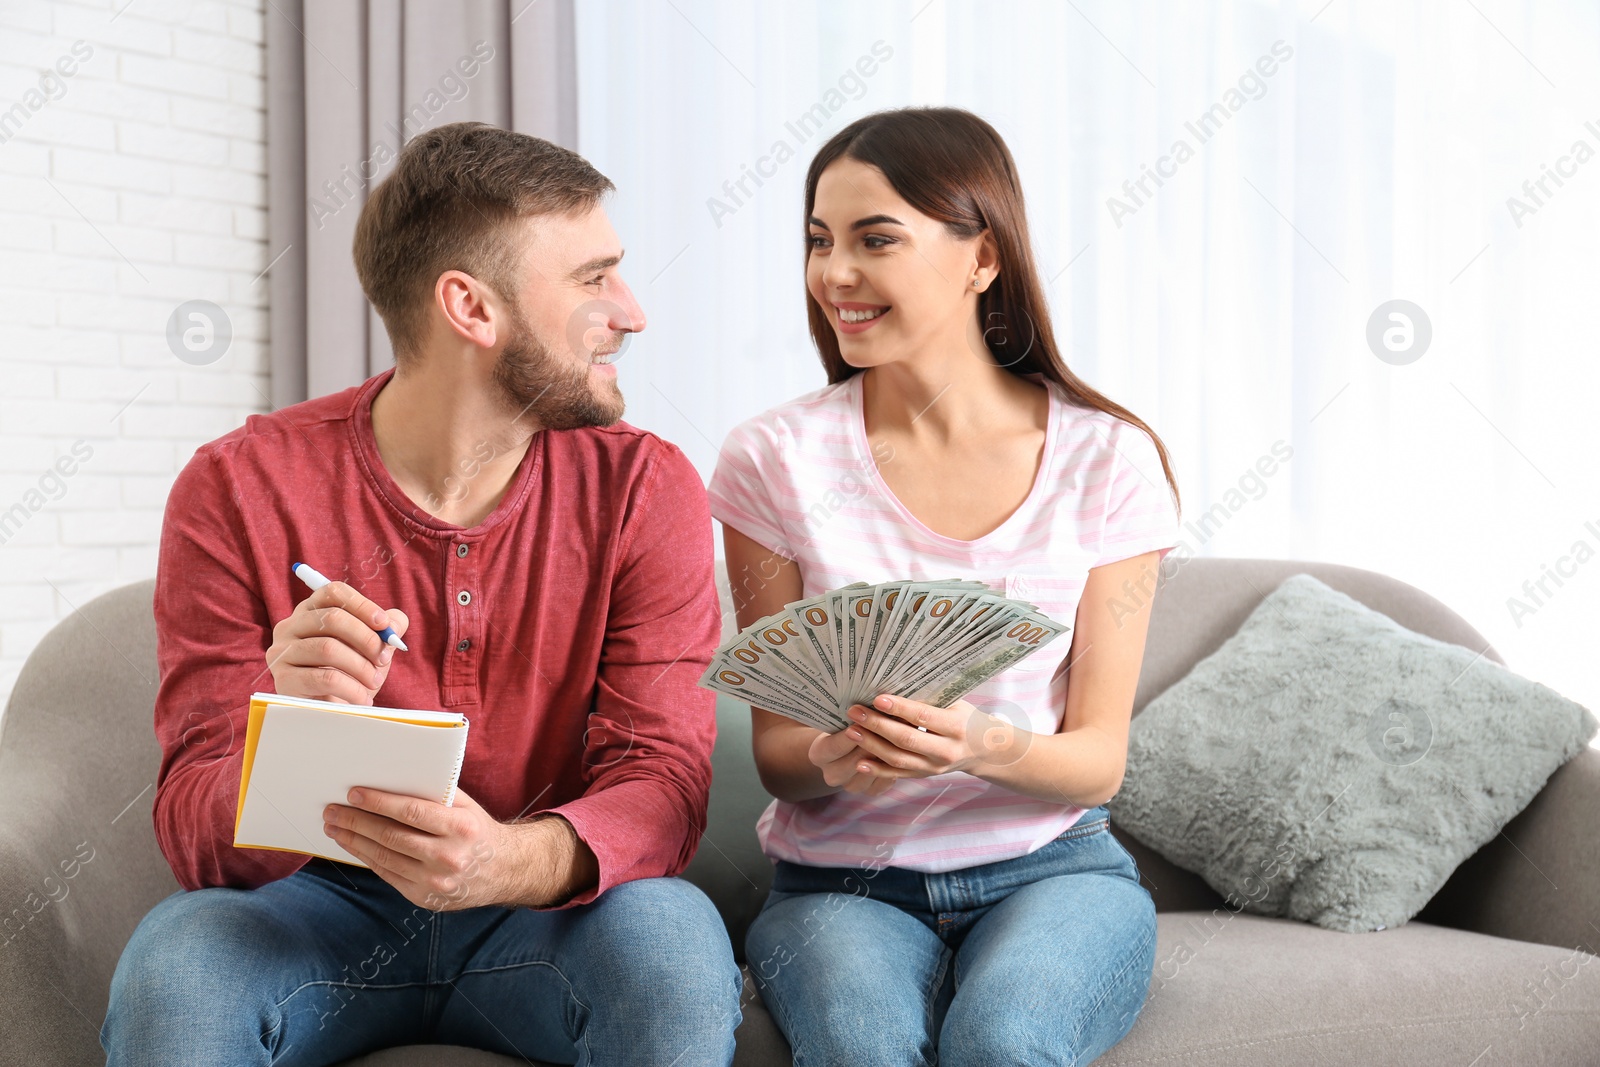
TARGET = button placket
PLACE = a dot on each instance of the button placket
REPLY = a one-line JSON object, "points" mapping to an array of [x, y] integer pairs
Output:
{"points": [[463, 610]]}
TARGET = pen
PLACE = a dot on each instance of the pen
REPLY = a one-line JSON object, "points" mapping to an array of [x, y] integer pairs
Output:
{"points": [[316, 581]]}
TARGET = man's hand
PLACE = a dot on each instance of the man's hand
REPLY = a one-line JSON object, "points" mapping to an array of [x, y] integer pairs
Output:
{"points": [[329, 648], [450, 858]]}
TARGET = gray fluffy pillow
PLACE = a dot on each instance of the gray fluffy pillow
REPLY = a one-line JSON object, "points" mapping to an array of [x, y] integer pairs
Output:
{"points": [[1327, 764]]}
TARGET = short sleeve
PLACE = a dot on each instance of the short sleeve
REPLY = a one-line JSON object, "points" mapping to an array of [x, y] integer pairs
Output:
{"points": [[1140, 515], [745, 486]]}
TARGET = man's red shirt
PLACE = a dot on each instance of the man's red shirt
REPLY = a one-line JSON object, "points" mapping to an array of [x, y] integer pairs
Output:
{"points": [[570, 626]]}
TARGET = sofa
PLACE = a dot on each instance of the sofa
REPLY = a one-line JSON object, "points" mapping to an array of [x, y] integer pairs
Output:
{"points": [[1487, 974]]}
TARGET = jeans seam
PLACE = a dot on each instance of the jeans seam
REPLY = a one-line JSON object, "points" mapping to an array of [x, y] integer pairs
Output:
{"points": [[428, 997], [571, 992], [1085, 830], [1106, 992], [785, 1024], [930, 1031], [363, 986]]}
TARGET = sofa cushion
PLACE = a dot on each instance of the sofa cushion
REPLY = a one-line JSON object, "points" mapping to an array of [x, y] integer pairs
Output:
{"points": [[1236, 990], [729, 866], [760, 1044], [436, 1056], [1328, 764]]}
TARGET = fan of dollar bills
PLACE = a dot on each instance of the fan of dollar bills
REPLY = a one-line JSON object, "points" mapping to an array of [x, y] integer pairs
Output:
{"points": [[928, 641]]}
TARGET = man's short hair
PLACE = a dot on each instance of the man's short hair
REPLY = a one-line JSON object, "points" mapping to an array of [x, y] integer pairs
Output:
{"points": [[453, 202]]}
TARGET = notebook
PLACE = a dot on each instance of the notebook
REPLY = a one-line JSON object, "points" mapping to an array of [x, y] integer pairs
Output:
{"points": [[301, 755]]}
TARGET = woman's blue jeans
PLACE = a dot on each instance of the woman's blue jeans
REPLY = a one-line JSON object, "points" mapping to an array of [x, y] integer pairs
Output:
{"points": [[332, 962], [1043, 959]]}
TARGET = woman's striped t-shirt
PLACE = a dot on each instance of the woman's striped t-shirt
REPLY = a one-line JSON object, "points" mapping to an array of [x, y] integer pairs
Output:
{"points": [[802, 480]]}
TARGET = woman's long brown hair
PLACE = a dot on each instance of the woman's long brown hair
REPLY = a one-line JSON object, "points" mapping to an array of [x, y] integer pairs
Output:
{"points": [[953, 166]]}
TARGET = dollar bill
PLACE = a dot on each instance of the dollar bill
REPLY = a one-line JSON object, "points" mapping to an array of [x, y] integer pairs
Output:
{"points": [[985, 660], [933, 641]]}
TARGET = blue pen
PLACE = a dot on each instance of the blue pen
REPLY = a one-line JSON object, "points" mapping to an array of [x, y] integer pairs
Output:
{"points": [[316, 581]]}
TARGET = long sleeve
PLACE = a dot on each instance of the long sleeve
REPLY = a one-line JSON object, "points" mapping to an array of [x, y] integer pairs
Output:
{"points": [[647, 751], [212, 633]]}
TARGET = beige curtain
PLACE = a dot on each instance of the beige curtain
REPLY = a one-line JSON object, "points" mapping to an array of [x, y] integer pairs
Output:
{"points": [[348, 83]]}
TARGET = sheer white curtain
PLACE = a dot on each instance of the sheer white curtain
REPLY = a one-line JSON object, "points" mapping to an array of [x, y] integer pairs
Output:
{"points": [[1315, 161]]}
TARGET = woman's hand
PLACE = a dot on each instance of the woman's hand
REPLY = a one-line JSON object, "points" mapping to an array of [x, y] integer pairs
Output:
{"points": [[839, 757], [890, 746]]}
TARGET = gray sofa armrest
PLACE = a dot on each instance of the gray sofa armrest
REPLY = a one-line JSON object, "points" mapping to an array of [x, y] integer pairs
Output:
{"points": [[79, 865], [1539, 880], [50, 1008]]}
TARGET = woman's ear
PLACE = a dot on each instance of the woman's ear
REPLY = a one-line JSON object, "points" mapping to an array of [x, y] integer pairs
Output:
{"points": [[986, 266]]}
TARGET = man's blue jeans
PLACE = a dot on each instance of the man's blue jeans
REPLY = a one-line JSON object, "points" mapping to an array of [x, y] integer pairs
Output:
{"points": [[332, 962], [1043, 959]]}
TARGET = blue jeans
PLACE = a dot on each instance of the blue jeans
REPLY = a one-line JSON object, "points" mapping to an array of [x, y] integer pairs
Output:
{"points": [[333, 962], [1042, 959]]}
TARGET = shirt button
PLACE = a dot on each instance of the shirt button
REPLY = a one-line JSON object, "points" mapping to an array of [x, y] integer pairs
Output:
{"points": [[463, 645], [461, 550], [463, 598]]}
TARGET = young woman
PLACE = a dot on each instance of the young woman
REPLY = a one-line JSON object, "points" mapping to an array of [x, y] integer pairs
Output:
{"points": [[951, 895]]}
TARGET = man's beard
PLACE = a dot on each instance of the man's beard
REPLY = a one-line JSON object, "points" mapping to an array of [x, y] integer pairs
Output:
{"points": [[534, 380]]}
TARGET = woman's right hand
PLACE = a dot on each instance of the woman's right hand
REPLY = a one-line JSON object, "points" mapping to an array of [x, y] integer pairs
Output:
{"points": [[839, 757], [788, 754]]}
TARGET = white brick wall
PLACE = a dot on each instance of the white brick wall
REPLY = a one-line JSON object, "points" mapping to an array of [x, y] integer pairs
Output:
{"points": [[136, 184]]}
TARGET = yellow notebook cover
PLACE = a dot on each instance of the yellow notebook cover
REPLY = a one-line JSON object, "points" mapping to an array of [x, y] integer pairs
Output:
{"points": [[301, 755]]}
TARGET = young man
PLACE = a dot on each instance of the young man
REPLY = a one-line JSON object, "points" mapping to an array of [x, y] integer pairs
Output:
{"points": [[549, 568]]}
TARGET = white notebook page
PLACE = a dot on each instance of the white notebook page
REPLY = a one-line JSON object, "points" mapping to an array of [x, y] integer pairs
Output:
{"points": [[306, 759]]}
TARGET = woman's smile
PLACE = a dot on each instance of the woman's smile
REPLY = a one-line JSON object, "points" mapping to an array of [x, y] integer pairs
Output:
{"points": [[856, 318]]}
